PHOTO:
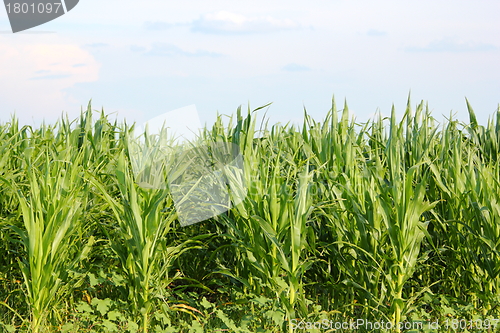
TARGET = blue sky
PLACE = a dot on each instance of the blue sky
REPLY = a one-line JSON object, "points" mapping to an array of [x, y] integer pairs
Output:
{"points": [[139, 59]]}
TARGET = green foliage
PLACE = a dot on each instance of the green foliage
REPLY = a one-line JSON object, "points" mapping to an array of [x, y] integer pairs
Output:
{"points": [[394, 220]]}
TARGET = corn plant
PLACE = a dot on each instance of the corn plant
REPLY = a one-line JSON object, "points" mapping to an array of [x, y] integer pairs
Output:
{"points": [[51, 208], [270, 226], [145, 215]]}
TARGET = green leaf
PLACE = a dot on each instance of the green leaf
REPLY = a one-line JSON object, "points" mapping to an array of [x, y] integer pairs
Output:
{"points": [[84, 307], [102, 305]]}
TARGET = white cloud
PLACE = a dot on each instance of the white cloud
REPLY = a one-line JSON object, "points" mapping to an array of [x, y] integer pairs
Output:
{"points": [[453, 45], [170, 50], [231, 23], [158, 25], [376, 33], [136, 48], [161, 25], [292, 67], [37, 74], [97, 45], [30, 60]]}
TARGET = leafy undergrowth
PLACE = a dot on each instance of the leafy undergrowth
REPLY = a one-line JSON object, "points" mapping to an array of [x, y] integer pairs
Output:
{"points": [[99, 305]]}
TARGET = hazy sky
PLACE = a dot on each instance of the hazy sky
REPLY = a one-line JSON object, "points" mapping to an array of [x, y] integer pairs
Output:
{"points": [[140, 59]]}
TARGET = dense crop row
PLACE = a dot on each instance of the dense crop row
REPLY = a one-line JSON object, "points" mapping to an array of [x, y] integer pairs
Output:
{"points": [[388, 221]]}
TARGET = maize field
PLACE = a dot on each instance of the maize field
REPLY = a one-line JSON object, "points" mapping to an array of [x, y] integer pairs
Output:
{"points": [[387, 225]]}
